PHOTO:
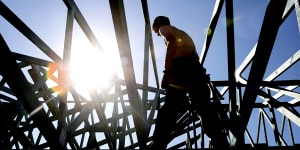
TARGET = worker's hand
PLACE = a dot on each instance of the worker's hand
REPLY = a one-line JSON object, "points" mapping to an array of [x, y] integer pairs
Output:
{"points": [[164, 82]]}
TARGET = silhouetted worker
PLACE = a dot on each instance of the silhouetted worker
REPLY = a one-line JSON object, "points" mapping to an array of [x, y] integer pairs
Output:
{"points": [[184, 75]]}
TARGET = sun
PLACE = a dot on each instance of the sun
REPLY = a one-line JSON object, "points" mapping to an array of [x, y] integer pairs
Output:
{"points": [[92, 68]]}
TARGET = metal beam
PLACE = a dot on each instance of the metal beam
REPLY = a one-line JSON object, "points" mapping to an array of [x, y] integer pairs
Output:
{"points": [[63, 78], [231, 68], [297, 8], [285, 66], [249, 58], [83, 23], [150, 40], [120, 25], [146, 58], [21, 88], [294, 117], [27, 32], [211, 30], [269, 29], [231, 58]]}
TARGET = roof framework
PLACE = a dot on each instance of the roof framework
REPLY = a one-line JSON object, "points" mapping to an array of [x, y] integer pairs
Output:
{"points": [[69, 120]]}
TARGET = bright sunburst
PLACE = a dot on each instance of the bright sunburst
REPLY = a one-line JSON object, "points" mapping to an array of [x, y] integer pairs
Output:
{"points": [[91, 68]]}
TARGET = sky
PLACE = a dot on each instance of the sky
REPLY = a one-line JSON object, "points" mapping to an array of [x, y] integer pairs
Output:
{"points": [[48, 20], [192, 17]]}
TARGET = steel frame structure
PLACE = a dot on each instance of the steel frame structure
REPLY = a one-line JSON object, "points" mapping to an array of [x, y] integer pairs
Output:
{"points": [[68, 120]]}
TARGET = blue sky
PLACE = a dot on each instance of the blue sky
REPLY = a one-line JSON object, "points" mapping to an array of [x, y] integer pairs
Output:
{"points": [[48, 20]]}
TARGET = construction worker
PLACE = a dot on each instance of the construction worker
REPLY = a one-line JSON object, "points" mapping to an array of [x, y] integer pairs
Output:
{"points": [[183, 75]]}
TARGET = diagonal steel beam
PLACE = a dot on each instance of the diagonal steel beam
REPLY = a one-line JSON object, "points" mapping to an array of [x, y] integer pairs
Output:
{"points": [[212, 26], [270, 27], [285, 66], [27, 32], [83, 23], [248, 59], [284, 110], [21, 88]]}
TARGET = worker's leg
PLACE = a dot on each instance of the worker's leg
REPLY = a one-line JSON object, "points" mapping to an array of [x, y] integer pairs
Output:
{"points": [[167, 117], [210, 119], [213, 126]]}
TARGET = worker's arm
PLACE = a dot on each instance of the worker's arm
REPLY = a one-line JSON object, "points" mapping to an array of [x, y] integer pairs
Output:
{"points": [[169, 37]]}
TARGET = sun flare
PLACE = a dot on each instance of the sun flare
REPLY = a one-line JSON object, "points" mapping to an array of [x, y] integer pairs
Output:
{"points": [[92, 68]]}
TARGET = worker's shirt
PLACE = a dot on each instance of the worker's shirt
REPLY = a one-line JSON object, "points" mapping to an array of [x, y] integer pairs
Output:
{"points": [[179, 44]]}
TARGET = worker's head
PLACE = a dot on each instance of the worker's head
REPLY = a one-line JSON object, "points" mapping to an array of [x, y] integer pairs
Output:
{"points": [[158, 22]]}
